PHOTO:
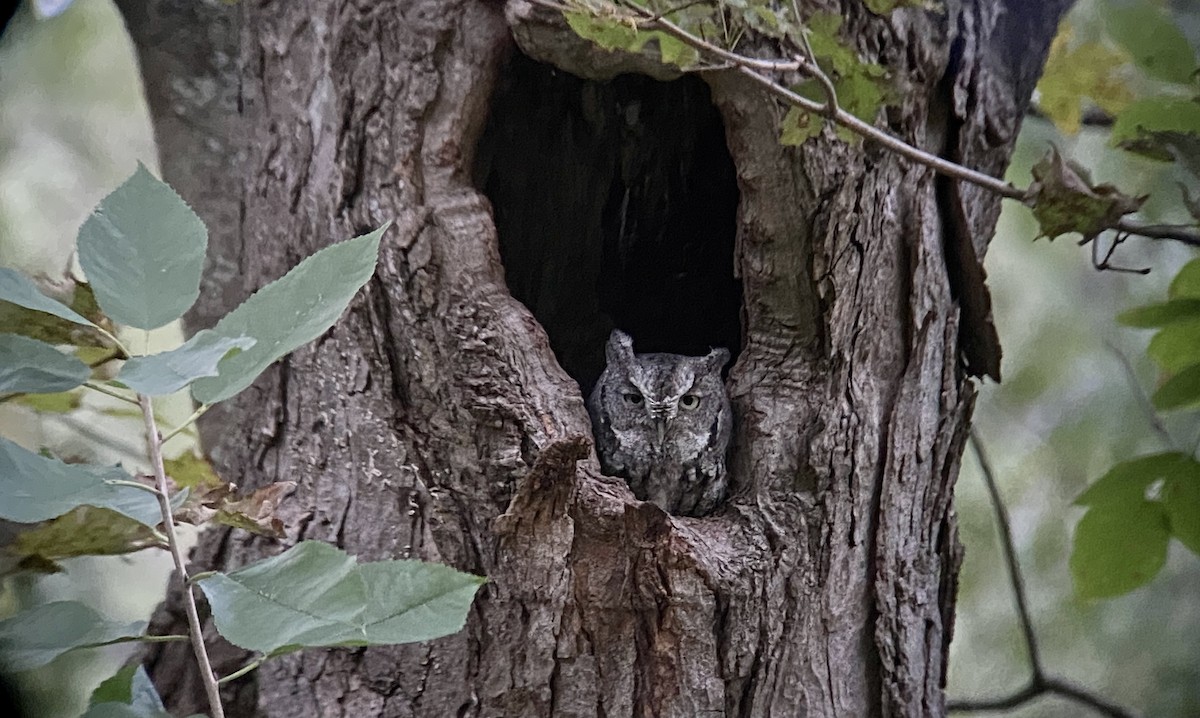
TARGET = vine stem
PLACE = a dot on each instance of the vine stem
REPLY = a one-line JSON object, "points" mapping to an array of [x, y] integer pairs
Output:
{"points": [[196, 631]]}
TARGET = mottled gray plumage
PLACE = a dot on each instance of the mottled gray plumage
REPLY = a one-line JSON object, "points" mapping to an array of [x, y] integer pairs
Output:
{"points": [[662, 421]]}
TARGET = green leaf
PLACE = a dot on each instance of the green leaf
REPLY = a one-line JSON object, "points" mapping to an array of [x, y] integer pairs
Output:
{"points": [[1126, 483], [128, 693], [1065, 200], [1180, 391], [35, 488], [674, 51], [20, 290], [1089, 70], [83, 531], [61, 403], [291, 312], [1160, 315], [799, 126], [1119, 547], [1177, 345], [53, 329], [143, 250], [1150, 126], [37, 636], [1181, 496], [883, 7], [315, 595], [1186, 284], [191, 471], [170, 371], [1152, 38], [610, 33], [33, 367], [117, 688]]}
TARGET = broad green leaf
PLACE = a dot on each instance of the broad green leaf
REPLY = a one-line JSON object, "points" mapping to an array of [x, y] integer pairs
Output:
{"points": [[1186, 284], [1126, 483], [1152, 38], [610, 33], [1159, 315], [117, 688], [37, 636], [1177, 345], [143, 250], [1180, 391], [1119, 547], [674, 51], [53, 329], [131, 690], [83, 531], [799, 126], [316, 595], [35, 488], [33, 367], [1182, 499], [1065, 200], [1148, 126], [170, 371], [290, 312], [1072, 73], [20, 290]]}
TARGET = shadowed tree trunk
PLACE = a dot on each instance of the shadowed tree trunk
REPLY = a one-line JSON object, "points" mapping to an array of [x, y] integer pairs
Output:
{"points": [[534, 208]]}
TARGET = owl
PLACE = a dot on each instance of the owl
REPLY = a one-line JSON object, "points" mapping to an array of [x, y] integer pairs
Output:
{"points": [[662, 422]]}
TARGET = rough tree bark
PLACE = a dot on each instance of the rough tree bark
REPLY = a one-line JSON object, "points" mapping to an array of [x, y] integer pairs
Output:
{"points": [[434, 420]]}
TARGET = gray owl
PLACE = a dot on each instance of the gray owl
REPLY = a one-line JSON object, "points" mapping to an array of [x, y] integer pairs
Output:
{"points": [[662, 421]]}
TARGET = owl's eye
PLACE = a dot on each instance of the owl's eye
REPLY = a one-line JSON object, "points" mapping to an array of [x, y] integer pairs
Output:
{"points": [[633, 398], [689, 401]]}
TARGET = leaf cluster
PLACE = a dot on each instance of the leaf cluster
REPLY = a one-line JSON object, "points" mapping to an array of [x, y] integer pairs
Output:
{"points": [[143, 251]]}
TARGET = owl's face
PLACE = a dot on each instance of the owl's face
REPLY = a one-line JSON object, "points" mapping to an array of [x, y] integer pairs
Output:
{"points": [[668, 402]]}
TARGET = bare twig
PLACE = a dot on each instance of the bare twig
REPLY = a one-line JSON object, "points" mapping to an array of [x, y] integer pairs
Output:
{"points": [[1039, 683], [154, 439], [1015, 577]]}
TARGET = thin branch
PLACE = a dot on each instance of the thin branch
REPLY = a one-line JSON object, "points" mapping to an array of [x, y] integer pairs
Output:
{"points": [[207, 676], [1039, 683], [199, 412], [1015, 577], [753, 68]]}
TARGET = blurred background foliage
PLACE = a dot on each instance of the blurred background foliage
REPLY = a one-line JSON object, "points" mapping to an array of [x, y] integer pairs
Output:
{"points": [[73, 123]]}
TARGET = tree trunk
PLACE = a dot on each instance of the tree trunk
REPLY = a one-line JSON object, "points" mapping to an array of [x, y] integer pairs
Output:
{"points": [[435, 420]]}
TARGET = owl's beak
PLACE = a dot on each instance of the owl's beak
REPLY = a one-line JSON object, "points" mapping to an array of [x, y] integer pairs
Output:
{"points": [[661, 414], [660, 428]]}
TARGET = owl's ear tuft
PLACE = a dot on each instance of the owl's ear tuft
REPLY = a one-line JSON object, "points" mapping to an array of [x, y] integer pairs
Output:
{"points": [[619, 349], [715, 359]]}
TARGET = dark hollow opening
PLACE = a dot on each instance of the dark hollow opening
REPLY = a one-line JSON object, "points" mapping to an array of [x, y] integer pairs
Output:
{"points": [[615, 204]]}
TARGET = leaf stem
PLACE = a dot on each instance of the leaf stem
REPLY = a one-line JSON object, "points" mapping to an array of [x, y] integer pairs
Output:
{"points": [[199, 412], [132, 484], [243, 670], [114, 394], [195, 629]]}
